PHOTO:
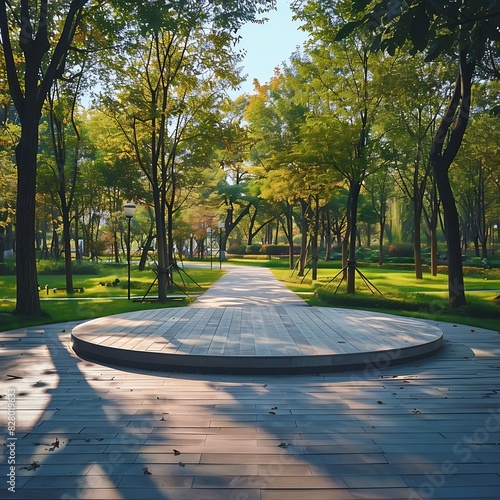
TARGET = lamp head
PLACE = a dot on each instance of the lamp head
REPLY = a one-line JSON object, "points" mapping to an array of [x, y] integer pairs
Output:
{"points": [[129, 210]]}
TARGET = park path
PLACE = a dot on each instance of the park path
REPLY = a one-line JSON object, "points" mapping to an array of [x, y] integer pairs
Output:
{"points": [[248, 286]]}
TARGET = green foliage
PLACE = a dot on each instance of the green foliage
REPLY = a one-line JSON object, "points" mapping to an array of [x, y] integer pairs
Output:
{"points": [[480, 262], [363, 253], [403, 294], [440, 26], [477, 312], [336, 255], [237, 248], [8, 267], [253, 249], [475, 272], [400, 250], [277, 250], [51, 266]]}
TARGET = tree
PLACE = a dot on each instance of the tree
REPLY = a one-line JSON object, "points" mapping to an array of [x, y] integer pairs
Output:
{"points": [[275, 118], [161, 94], [62, 112], [9, 134], [340, 129], [467, 31], [477, 181], [29, 87], [44, 42], [413, 98]]}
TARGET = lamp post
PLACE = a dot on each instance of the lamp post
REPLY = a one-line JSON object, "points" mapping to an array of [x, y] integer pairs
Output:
{"points": [[221, 226], [129, 211]]}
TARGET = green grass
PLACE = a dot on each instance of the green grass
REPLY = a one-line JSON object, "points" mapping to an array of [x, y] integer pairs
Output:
{"points": [[402, 293], [106, 299]]}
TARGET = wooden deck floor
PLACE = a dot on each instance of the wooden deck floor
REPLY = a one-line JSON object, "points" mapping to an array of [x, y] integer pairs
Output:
{"points": [[426, 429]]}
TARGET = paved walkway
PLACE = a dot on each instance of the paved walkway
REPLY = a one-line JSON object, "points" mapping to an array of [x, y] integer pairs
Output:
{"points": [[425, 429], [250, 323]]}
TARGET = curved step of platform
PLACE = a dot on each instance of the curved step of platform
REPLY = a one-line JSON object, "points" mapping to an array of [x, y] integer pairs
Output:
{"points": [[254, 340]]}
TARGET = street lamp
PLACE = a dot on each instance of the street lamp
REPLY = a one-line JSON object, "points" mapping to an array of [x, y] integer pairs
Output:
{"points": [[129, 211], [221, 226]]}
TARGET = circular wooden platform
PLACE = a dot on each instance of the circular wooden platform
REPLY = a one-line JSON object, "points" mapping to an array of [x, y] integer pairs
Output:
{"points": [[255, 339]]}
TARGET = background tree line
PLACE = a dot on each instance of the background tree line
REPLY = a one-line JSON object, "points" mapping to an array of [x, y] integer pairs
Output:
{"points": [[345, 145]]}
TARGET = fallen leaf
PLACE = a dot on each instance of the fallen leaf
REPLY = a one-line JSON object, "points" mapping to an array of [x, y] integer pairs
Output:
{"points": [[55, 445], [33, 466]]}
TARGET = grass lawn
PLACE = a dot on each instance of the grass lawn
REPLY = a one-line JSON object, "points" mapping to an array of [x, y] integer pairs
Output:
{"points": [[401, 292], [103, 295]]}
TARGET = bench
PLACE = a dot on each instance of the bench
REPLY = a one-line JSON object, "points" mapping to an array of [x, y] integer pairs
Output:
{"points": [[76, 289]]}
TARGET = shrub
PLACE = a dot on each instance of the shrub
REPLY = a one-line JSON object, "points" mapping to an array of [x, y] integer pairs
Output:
{"points": [[278, 250], [400, 250], [49, 266], [86, 268], [253, 249], [237, 248], [274, 249], [474, 272], [335, 256], [401, 260], [363, 253], [8, 267]]}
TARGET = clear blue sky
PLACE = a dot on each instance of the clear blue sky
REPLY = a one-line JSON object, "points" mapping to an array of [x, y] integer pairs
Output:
{"points": [[269, 44]]}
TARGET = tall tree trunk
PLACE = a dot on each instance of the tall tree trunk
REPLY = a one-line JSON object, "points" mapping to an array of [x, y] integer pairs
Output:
{"points": [[417, 243], [78, 255], [354, 189], [328, 234], [432, 218], [314, 241], [457, 115], [434, 249], [170, 242], [68, 264], [2, 246], [28, 98], [304, 230], [145, 250], [161, 246], [456, 289], [381, 242], [27, 299]]}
